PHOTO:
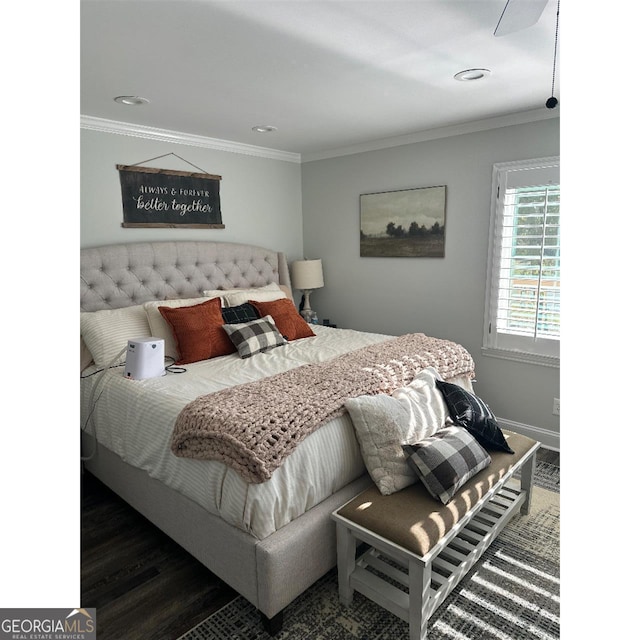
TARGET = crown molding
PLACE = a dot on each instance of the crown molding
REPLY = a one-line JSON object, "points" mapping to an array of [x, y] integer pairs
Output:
{"points": [[176, 137], [522, 117]]}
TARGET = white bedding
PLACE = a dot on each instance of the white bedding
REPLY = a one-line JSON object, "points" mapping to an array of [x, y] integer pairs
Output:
{"points": [[134, 418]]}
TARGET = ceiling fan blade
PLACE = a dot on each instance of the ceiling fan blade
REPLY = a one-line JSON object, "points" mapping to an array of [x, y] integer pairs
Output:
{"points": [[519, 14]]}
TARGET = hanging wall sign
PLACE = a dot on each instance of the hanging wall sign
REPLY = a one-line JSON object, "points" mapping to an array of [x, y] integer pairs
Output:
{"points": [[163, 198]]}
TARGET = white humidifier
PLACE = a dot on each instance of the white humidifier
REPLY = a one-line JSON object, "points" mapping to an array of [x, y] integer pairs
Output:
{"points": [[145, 358]]}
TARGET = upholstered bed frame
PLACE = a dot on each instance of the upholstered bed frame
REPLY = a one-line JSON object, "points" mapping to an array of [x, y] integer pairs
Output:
{"points": [[123, 275], [272, 572]]}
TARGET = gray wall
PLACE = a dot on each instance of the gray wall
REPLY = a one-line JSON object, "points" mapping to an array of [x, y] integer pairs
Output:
{"points": [[262, 200], [443, 297], [260, 197]]}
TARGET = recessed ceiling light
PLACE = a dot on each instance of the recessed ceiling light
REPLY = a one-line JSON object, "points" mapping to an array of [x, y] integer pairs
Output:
{"points": [[132, 100], [472, 74], [264, 128]]}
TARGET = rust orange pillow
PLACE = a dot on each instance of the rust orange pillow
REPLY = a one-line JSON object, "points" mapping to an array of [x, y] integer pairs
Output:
{"points": [[198, 331], [288, 321]]}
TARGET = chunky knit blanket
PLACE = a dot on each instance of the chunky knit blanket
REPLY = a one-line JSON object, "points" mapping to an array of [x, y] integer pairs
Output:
{"points": [[253, 427]]}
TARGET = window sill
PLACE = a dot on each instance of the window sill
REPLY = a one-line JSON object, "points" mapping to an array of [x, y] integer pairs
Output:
{"points": [[522, 356]]}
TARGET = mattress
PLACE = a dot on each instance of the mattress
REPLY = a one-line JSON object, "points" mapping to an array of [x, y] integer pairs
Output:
{"points": [[135, 418]]}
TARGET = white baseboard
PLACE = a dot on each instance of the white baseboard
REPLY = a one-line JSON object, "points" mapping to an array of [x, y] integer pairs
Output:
{"points": [[548, 439]]}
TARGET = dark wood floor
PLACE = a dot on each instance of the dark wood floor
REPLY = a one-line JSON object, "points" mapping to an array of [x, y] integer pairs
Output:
{"points": [[142, 584]]}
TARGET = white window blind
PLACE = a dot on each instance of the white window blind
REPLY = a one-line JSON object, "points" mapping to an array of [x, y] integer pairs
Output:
{"points": [[522, 316]]}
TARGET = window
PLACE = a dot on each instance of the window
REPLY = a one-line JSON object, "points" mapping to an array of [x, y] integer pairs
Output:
{"points": [[522, 309]]}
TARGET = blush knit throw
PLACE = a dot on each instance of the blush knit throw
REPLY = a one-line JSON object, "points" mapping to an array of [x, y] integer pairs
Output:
{"points": [[253, 427]]}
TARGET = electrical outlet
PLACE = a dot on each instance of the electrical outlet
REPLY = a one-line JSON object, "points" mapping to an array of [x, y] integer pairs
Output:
{"points": [[556, 407]]}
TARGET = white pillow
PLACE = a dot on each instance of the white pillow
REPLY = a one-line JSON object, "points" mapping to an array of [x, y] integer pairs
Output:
{"points": [[272, 286], [106, 332], [383, 423], [214, 293], [235, 297], [259, 295], [218, 293], [85, 355], [160, 328]]}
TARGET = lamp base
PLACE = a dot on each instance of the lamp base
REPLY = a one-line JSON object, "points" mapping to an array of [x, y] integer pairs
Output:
{"points": [[309, 316], [307, 313]]}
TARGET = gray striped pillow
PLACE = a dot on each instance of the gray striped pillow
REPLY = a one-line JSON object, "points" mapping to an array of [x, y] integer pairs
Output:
{"points": [[107, 332], [254, 337]]}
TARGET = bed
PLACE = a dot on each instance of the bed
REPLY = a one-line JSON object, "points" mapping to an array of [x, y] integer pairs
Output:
{"points": [[269, 538]]}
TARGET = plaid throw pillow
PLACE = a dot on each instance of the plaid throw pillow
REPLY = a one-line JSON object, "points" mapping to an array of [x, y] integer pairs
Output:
{"points": [[254, 337], [242, 313], [472, 413], [446, 460]]}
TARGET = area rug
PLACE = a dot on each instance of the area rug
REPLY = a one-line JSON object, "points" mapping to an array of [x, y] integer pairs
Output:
{"points": [[547, 476], [512, 593]]}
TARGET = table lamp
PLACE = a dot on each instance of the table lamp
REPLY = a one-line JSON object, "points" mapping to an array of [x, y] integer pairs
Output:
{"points": [[306, 275]]}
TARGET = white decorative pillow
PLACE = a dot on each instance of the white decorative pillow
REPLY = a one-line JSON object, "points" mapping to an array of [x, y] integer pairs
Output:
{"points": [[160, 328], [240, 297], [383, 423], [214, 293], [106, 332], [260, 294], [272, 286], [221, 293]]}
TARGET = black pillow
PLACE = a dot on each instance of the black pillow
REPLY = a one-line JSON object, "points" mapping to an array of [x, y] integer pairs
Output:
{"points": [[470, 412], [242, 313]]}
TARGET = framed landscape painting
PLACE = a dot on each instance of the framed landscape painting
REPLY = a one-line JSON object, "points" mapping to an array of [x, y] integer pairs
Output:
{"points": [[409, 223]]}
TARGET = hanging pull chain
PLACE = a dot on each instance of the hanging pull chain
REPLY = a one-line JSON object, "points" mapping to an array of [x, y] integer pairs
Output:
{"points": [[552, 102]]}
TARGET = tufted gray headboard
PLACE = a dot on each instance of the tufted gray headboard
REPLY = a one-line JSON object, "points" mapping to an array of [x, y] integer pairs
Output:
{"points": [[123, 275]]}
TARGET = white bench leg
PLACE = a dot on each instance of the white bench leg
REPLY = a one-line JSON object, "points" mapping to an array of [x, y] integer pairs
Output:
{"points": [[346, 563], [526, 482], [419, 584]]}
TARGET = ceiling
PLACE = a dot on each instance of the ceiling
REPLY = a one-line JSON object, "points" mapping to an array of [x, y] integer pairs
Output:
{"points": [[327, 74]]}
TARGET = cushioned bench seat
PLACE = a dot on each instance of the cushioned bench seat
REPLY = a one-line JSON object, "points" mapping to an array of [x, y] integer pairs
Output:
{"points": [[437, 544]]}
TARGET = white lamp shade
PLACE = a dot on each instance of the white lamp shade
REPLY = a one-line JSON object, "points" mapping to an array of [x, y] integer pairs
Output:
{"points": [[307, 274]]}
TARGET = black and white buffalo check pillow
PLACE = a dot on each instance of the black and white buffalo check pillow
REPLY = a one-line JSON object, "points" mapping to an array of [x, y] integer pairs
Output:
{"points": [[446, 460], [254, 337]]}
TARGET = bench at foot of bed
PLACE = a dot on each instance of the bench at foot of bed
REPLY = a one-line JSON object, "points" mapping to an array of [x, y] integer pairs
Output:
{"points": [[420, 549]]}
